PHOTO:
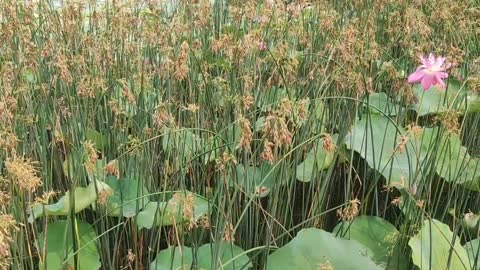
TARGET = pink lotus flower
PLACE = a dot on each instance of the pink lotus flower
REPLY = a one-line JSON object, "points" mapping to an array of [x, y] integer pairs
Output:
{"points": [[431, 72]]}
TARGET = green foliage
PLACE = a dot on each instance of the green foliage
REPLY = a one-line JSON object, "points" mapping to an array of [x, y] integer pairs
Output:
{"points": [[375, 138], [221, 255], [314, 248], [259, 180], [379, 236], [317, 159], [381, 103], [96, 137], [183, 142], [58, 246], [473, 248], [436, 247], [269, 99], [473, 103], [128, 196], [83, 197], [159, 89], [451, 159], [173, 258], [182, 207], [436, 100], [453, 162]]}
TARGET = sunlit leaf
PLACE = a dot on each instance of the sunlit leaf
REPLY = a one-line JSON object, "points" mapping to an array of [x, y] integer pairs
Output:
{"points": [[173, 211], [182, 141], [128, 194], [84, 197], [259, 180], [376, 139], [98, 173], [452, 160], [473, 251], [317, 159], [315, 248], [173, 258], [222, 255], [59, 246], [380, 103], [99, 139], [454, 163], [226, 256], [436, 247], [155, 213], [436, 100], [379, 236]]}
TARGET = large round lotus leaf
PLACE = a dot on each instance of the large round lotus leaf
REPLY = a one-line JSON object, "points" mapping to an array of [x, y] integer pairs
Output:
{"points": [[227, 256], [473, 251], [156, 213], [376, 139], [84, 197], [181, 141], [433, 247], [452, 161], [380, 103], [379, 236], [317, 159], [98, 138], [222, 255], [436, 100], [128, 194], [258, 179], [96, 173], [315, 248], [59, 246], [173, 258], [173, 211]]}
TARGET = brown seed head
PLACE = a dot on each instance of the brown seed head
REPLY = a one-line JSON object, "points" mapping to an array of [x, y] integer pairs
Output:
{"points": [[112, 168], [229, 233], [349, 212], [22, 173], [246, 135], [328, 144]]}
